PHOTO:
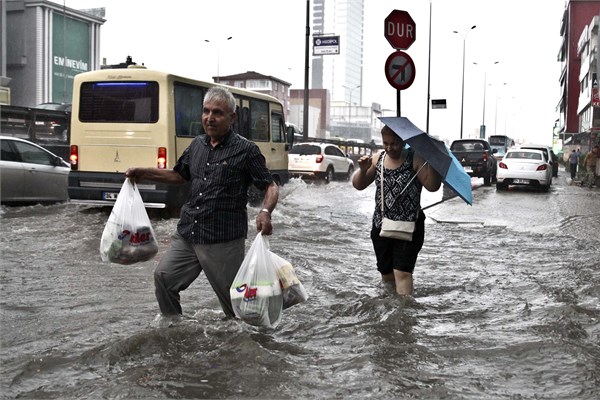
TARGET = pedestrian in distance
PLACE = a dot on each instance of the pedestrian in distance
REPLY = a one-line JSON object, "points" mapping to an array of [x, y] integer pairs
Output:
{"points": [[396, 258], [211, 232], [590, 161], [573, 161]]}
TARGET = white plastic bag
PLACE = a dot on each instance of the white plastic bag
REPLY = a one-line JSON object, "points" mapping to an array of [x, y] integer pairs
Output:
{"points": [[292, 289], [128, 236], [256, 294]]}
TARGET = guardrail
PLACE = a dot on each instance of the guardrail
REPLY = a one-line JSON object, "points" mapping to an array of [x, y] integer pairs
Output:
{"points": [[47, 128]]}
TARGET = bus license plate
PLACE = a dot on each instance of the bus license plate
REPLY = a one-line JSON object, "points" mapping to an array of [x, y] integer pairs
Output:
{"points": [[109, 195], [468, 169]]}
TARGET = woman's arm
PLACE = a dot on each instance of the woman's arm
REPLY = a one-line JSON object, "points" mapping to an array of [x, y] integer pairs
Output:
{"points": [[428, 176], [366, 172]]}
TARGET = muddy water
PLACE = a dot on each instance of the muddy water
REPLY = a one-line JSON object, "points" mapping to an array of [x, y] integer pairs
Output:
{"points": [[506, 306]]}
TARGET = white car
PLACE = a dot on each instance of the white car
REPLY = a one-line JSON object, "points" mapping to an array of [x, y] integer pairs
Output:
{"points": [[319, 161], [31, 174], [548, 153], [526, 167]]}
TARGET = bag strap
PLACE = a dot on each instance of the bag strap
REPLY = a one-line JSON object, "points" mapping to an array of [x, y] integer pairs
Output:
{"points": [[405, 187]]}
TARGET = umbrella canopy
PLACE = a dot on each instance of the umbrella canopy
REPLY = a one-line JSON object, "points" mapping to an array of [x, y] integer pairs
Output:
{"points": [[437, 154]]}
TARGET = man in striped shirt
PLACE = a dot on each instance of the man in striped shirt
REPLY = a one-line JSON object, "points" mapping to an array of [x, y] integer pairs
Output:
{"points": [[213, 225]]}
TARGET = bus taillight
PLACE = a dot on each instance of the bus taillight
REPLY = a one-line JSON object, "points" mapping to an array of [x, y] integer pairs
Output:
{"points": [[161, 160], [74, 157]]}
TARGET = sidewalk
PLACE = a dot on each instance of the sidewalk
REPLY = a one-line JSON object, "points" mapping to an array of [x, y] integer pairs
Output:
{"points": [[580, 178], [580, 182]]}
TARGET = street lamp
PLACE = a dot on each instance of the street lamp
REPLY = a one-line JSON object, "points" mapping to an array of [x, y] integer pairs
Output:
{"points": [[350, 102], [496, 114], [462, 99], [208, 41], [482, 129]]}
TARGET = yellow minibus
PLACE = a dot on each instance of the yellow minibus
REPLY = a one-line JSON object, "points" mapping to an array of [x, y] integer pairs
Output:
{"points": [[137, 117]]}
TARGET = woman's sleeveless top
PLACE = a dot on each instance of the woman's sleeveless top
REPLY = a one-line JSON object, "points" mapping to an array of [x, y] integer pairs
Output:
{"points": [[397, 208]]}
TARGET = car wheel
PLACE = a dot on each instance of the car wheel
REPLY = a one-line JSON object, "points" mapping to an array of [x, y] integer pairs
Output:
{"points": [[350, 172], [329, 175], [487, 180], [501, 186], [545, 188]]}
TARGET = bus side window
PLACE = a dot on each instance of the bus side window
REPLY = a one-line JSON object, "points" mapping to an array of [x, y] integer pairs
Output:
{"points": [[244, 122], [195, 129], [277, 128], [188, 110], [259, 123]]}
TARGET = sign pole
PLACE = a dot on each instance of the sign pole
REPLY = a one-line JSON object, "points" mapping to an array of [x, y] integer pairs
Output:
{"points": [[306, 58], [400, 31]]}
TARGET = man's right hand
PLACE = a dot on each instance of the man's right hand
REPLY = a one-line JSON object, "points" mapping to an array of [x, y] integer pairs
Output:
{"points": [[134, 174]]}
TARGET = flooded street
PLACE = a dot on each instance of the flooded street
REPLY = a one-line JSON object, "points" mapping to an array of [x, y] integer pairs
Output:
{"points": [[506, 306]]}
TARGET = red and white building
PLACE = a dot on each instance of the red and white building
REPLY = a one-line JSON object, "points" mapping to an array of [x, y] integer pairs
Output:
{"points": [[578, 125]]}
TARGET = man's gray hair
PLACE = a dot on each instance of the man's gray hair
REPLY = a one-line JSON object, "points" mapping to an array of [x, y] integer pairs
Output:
{"points": [[220, 95]]}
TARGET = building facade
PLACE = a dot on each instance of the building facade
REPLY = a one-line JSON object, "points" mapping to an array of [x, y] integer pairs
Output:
{"points": [[578, 125], [339, 74], [43, 46], [257, 82]]}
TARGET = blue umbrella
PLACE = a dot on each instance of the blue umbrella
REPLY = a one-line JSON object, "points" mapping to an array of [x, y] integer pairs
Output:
{"points": [[436, 153]]}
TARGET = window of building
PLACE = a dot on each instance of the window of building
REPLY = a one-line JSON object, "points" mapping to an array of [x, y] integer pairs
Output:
{"points": [[258, 84]]}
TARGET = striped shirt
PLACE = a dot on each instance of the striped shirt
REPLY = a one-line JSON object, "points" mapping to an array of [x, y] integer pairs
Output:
{"points": [[397, 208], [220, 177]]}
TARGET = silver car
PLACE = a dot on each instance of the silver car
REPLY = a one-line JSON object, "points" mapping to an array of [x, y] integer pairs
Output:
{"points": [[31, 174]]}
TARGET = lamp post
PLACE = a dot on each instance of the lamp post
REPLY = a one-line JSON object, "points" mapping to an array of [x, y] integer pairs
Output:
{"points": [[482, 128], [350, 102], [496, 114], [462, 99], [217, 46]]}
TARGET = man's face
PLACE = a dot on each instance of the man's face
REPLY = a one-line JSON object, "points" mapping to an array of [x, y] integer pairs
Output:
{"points": [[216, 120]]}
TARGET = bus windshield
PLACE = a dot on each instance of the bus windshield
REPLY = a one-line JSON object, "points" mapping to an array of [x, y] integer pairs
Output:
{"points": [[135, 102], [501, 144]]}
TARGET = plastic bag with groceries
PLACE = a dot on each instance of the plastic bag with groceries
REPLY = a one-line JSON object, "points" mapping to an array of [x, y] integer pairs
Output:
{"points": [[292, 289], [256, 293], [128, 236]]}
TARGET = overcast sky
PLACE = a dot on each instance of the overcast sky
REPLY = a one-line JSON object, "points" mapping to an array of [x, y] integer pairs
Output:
{"points": [[268, 36]]}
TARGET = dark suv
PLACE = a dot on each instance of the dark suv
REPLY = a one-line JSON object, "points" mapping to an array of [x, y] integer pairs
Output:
{"points": [[477, 158]]}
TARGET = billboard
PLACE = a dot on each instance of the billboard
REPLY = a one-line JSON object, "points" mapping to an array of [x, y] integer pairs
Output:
{"points": [[70, 55]]}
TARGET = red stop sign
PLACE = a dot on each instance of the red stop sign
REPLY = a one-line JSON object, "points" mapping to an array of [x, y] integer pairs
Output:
{"points": [[400, 29]]}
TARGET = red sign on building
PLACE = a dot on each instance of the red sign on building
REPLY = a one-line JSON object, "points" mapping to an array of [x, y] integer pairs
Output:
{"points": [[595, 94]]}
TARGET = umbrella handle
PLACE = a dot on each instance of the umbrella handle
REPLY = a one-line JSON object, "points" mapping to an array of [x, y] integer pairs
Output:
{"points": [[413, 178]]}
